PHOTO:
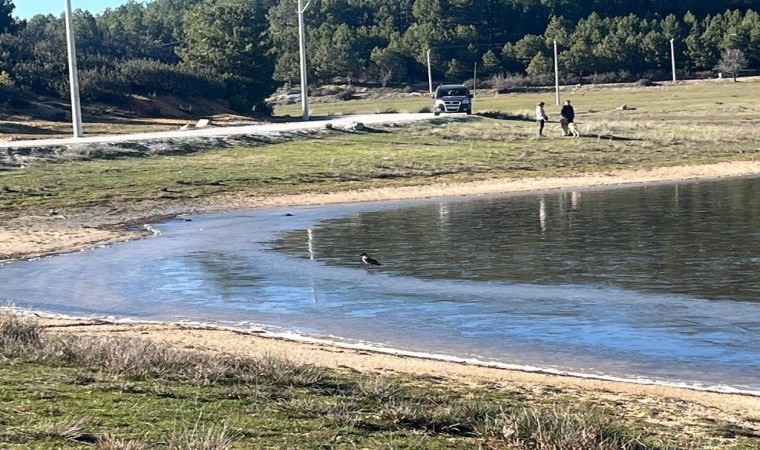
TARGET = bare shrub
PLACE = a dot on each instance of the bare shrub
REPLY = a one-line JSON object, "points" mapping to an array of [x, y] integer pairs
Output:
{"points": [[506, 82], [18, 334], [732, 61]]}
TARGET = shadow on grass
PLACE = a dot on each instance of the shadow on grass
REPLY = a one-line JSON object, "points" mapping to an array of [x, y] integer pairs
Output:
{"points": [[9, 128], [610, 137], [498, 115], [356, 129]]}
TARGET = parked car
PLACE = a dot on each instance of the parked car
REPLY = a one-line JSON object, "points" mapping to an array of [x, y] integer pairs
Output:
{"points": [[452, 98], [290, 95]]}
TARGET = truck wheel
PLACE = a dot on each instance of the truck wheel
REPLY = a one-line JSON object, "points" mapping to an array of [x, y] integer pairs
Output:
{"points": [[436, 112], [469, 111]]}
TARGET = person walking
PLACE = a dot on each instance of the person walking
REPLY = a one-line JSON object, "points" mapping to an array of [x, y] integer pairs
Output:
{"points": [[541, 118], [568, 116]]}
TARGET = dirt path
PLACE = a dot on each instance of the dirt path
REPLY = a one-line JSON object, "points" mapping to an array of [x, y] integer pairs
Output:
{"points": [[261, 129]]}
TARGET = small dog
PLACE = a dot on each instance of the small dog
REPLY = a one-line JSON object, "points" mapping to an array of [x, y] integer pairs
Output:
{"points": [[573, 129]]}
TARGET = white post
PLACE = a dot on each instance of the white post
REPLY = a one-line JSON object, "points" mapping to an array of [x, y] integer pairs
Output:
{"points": [[430, 74], [475, 77], [302, 51], [76, 109], [556, 73], [673, 60]]}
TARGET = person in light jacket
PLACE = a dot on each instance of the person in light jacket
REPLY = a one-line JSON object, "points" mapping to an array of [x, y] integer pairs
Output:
{"points": [[541, 118]]}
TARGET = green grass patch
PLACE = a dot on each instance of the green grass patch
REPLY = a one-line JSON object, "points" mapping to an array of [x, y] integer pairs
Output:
{"points": [[63, 391], [477, 148]]}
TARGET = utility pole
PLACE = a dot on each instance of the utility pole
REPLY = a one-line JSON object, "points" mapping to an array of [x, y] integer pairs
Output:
{"points": [[673, 60], [302, 51], [76, 109], [430, 74], [556, 74]]}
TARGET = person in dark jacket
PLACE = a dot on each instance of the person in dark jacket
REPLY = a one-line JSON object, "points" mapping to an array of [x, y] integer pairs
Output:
{"points": [[568, 116]]}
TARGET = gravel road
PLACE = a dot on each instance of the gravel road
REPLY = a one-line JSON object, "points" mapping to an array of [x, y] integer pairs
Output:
{"points": [[212, 131]]}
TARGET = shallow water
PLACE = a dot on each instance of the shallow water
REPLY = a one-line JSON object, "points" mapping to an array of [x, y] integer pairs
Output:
{"points": [[659, 282]]}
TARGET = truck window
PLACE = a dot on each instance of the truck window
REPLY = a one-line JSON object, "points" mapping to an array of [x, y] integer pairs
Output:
{"points": [[452, 93]]}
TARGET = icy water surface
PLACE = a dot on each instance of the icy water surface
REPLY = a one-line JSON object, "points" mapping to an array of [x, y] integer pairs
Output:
{"points": [[658, 282]]}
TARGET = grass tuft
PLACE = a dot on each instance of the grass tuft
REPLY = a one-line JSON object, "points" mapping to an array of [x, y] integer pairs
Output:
{"points": [[201, 437], [112, 442], [559, 427], [379, 388], [70, 429], [18, 333]]}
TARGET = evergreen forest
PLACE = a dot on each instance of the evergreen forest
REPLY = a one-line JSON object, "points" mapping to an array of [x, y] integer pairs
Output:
{"points": [[241, 51]]}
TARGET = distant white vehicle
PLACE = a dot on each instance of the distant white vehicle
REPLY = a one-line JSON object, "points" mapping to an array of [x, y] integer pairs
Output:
{"points": [[290, 95]]}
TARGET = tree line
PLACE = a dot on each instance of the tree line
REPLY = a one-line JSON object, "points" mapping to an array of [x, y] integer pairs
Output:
{"points": [[240, 51]]}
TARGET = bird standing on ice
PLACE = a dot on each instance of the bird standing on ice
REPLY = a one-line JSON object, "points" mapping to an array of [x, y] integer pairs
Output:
{"points": [[369, 261]]}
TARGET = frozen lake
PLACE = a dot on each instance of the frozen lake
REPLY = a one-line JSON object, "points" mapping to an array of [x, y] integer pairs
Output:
{"points": [[659, 282]]}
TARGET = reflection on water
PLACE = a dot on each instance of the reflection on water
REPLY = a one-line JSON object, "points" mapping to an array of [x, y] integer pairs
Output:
{"points": [[657, 282], [700, 239]]}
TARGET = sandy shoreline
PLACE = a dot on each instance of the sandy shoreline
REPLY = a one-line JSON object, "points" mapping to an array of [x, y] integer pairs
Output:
{"points": [[29, 236], [60, 231]]}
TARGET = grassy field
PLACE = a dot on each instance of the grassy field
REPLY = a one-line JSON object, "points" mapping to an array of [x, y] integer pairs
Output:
{"points": [[711, 100], [671, 125]]}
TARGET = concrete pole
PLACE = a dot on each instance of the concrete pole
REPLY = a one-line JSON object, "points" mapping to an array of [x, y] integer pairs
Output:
{"points": [[302, 51], [76, 109], [556, 74], [673, 60], [430, 74]]}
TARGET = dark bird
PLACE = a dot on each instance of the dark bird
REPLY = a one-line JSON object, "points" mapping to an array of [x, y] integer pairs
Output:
{"points": [[369, 261]]}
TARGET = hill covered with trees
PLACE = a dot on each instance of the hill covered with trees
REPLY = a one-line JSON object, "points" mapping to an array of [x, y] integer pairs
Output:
{"points": [[239, 51]]}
